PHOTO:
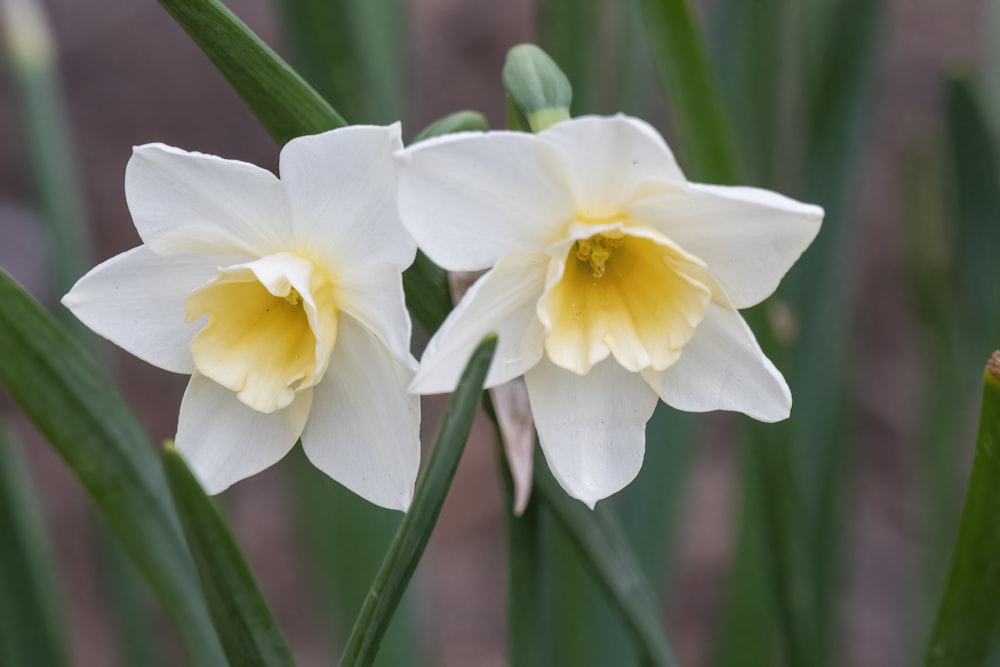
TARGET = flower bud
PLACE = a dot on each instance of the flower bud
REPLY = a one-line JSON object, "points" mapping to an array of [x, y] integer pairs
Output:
{"points": [[536, 87]]}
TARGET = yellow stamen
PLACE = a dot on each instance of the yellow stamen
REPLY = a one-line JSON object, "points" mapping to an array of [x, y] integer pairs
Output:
{"points": [[596, 251], [634, 297]]}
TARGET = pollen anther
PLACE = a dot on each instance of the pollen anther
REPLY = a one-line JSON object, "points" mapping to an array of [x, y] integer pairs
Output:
{"points": [[596, 251]]}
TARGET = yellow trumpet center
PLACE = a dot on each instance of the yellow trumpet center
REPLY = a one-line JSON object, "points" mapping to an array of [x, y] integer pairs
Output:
{"points": [[271, 328], [596, 251], [637, 297]]}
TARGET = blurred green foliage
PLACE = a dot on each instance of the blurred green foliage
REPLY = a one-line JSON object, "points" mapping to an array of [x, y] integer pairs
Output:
{"points": [[777, 93]]}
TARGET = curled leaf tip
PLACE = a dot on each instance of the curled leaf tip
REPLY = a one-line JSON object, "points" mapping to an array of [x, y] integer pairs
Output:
{"points": [[993, 365]]}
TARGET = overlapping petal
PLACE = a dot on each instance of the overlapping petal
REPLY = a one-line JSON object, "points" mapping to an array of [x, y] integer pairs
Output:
{"points": [[642, 310], [364, 427], [607, 162], [502, 302], [185, 203], [723, 368], [136, 300], [469, 199], [748, 237], [592, 428], [373, 294], [224, 441], [341, 187]]}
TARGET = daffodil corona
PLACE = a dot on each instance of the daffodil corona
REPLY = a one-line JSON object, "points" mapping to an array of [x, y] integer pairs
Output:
{"points": [[614, 281], [282, 298]]}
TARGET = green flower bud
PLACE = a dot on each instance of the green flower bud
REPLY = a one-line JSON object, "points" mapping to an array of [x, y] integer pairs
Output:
{"points": [[536, 88]]}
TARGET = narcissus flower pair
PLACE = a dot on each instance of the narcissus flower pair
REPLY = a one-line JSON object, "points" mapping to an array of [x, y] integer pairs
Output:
{"points": [[612, 282]]}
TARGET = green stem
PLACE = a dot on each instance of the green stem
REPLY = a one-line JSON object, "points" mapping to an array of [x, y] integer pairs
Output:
{"points": [[604, 549], [411, 538]]}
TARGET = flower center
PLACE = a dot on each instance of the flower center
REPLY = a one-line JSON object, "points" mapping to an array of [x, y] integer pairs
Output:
{"points": [[630, 294], [596, 251], [271, 328]]}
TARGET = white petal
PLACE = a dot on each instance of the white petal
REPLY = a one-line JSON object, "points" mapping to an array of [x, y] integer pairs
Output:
{"points": [[472, 198], [136, 300], [195, 203], [748, 237], [224, 441], [364, 430], [502, 302], [592, 428], [342, 189], [723, 368], [373, 294], [607, 162]]}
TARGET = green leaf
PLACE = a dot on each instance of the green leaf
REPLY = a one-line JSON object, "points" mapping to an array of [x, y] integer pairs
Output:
{"points": [[70, 399], [242, 619], [460, 121], [128, 598], [351, 51], [530, 625], [604, 549], [570, 32], [31, 633], [577, 616], [970, 611], [341, 577], [411, 539], [425, 285], [46, 137], [745, 633], [283, 102], [752, 55], [977, 186], [696, 109]]}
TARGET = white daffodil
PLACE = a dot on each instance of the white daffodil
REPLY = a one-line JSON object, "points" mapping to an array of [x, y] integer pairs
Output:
{"points": [[615, 281], [282, 298]]}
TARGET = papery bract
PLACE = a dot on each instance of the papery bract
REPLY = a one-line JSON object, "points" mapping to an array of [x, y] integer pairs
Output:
{"points": [[282, 298], [613, 281]]}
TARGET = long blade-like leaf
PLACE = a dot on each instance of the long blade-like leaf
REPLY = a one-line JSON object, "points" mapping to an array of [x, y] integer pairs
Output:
{"points": [[969, 613], [694, 102], [977, 185], [415, 531], [351, 51], [284, 103], [46, 137], [604, 549], [71, 400], [249, 633], [30, 632]]}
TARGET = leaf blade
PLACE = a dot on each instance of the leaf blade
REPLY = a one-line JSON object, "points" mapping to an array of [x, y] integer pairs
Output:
{"points": [[970, 608], [246, 627], [281, 99], [70, 399], [31, 632]]}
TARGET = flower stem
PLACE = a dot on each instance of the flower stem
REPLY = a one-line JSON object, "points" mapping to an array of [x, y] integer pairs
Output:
{"points": [[411, 538]]}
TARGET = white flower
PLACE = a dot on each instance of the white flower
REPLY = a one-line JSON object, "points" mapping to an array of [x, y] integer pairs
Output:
{"points": [[614, 281], [282, 298]]}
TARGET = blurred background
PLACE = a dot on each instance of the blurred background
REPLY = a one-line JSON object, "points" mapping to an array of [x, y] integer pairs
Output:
{"points": [[882, 111]]}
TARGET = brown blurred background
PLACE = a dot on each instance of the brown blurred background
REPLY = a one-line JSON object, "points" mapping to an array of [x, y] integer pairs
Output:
{"points": [[132, 76]]}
